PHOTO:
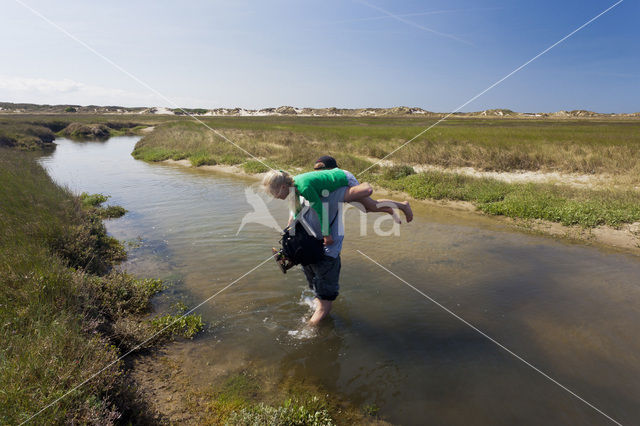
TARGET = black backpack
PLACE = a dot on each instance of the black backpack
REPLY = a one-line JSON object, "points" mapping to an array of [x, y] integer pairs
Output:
{"points": [[301, 248]]}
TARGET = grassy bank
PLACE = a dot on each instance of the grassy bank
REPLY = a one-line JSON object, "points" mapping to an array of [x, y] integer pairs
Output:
{"points": [[563, 204], [65, 312], [586, 146], [37, 132]]}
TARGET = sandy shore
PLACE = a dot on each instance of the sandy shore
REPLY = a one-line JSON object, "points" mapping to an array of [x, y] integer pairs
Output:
{"points": [[221, 168], [626, 238]]}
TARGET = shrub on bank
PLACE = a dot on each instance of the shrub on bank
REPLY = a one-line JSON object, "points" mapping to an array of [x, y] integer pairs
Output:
{"points": [[94, 203]]}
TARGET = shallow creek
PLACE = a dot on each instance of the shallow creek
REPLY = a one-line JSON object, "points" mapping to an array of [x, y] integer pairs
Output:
{"points": [[570, 310]]}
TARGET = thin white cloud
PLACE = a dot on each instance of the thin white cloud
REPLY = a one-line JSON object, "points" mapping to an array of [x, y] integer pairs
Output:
{"points": [[68, 91], [413, 24], [43, 86]]}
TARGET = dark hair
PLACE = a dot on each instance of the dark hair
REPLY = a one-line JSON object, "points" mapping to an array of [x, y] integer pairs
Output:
{"points": [[325, 162]]}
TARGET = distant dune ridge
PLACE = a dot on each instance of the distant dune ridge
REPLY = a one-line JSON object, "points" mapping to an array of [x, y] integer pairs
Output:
{"points": [[8, 107]]}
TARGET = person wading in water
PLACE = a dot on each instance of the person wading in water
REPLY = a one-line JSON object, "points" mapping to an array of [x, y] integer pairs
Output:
{"points": [[324, 191]]}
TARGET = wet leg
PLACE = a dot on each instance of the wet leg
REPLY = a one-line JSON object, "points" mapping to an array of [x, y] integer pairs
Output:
{"points": [[323, 307]]}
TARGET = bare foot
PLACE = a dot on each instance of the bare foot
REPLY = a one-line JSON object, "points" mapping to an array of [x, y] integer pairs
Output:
{"points": [[406, 209]]}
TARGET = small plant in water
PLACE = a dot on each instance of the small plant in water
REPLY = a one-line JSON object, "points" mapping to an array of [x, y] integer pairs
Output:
{"points": [[178, 324], [93, 202], [371, 410]]}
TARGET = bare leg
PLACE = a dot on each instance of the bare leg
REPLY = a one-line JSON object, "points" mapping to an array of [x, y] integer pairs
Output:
{"points": [[362, 194], [402, 205], [358, 192], [323, 307], [385, 206]]}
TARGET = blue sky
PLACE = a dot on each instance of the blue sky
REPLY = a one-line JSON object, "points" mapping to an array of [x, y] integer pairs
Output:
{"points": [[253, 54]]}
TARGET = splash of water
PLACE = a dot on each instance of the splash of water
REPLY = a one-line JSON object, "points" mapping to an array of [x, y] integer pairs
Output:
{"points": [[305, 331]]}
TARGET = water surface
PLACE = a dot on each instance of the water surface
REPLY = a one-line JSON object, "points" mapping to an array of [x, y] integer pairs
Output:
{"points": [[570, 310]]}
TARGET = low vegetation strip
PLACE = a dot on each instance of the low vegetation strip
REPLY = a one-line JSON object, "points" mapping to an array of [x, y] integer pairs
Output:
{"points": [[588, 147], [585, 146], [65, 312], [566, 205]]}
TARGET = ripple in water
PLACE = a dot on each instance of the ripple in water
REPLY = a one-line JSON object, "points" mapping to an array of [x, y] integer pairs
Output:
{"points": [[305, 331]]}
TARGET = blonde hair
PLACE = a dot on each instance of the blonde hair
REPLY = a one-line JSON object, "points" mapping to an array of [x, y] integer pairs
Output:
{"points": [[274, 179]]}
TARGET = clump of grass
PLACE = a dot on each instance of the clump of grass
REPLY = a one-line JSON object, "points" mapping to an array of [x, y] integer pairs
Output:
{"points": [[119, 292], [245, 398], [253, 166], [202, 159], [398, 172], [111, 212], [178, 324], [371, 410], [93, 202], [236, 402], [291, 413]]}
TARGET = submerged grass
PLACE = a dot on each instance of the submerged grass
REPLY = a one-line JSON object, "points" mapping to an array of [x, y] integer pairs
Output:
{"points": [[66, 313], [243, 399]]}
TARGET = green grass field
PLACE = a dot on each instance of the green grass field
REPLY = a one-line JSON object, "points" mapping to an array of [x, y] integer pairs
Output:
{"points": [[583, 146]]}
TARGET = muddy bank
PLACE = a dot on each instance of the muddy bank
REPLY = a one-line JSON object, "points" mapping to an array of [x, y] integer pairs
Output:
{"points": [[231, 396]]}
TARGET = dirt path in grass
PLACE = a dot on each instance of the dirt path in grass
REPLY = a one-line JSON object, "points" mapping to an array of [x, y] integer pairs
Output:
{"points": [[521, 176]]}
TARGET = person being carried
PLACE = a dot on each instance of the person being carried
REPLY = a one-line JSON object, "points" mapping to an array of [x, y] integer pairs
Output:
{"points": [[369, 205], [329, 178], [312, 186]]}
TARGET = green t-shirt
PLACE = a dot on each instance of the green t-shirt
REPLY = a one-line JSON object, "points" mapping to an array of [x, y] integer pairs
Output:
{"points": [[310, 185]]}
